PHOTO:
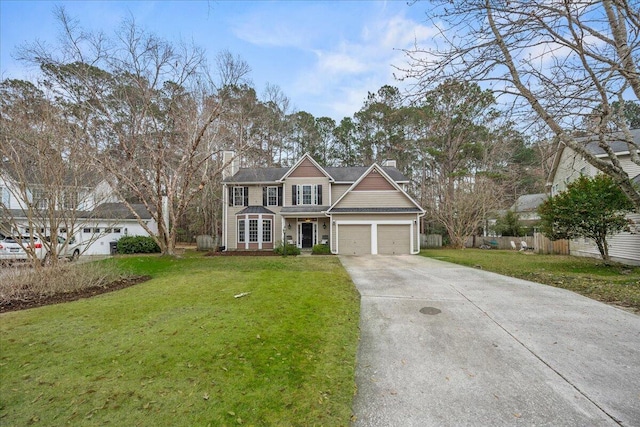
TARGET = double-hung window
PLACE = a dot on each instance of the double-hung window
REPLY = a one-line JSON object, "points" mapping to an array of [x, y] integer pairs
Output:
{"points": [[266, 230], [238, 196], [272, 196], [241, 234], [253, 230], [307, 199], [307, 194]]}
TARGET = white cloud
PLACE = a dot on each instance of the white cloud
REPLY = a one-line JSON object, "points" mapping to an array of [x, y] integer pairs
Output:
{"points": [[345, 72]]}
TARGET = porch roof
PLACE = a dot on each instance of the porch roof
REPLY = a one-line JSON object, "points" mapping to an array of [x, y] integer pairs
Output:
{"points": [[303, 210], [375, 210], [255, 210]]}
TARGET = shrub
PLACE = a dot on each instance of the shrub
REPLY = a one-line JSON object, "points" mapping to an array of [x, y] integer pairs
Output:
{"points": [[291, 249], [321, 250], [137, 245], [26, 284]]}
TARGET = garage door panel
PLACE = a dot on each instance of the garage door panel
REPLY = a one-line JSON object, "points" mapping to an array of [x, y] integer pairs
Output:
{"points": [[354, 240], [394, 239]]}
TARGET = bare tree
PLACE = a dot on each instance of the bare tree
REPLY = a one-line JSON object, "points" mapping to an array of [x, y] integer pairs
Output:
{"points": [[147, 112], [559, 60], [47, 179], [460, 151]]}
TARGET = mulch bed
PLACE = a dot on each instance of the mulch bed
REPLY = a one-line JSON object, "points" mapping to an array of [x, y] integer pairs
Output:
{"points": [[39, 301], [241, 253]]}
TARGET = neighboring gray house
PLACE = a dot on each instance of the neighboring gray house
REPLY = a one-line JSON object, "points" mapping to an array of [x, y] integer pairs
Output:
{"points": [[568, 166], [354, 210], [526, 207]]}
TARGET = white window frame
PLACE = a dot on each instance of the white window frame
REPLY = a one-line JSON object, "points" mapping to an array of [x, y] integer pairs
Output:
{"points": [[254, 234], [313, 196], [266, 231], [272, 196], [238, 192], [242, 235]]}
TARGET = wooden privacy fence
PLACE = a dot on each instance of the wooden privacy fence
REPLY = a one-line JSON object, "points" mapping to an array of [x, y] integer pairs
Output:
{"points": [[430, 241], [503, 242], [543, 245], [538, 242]]}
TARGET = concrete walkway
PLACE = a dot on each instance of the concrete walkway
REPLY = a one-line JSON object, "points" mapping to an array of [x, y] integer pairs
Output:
{"points": [[445, 345]]}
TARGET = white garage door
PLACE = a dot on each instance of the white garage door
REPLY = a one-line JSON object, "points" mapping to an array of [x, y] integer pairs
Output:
{"points": [[394, 239], [354, 239]]}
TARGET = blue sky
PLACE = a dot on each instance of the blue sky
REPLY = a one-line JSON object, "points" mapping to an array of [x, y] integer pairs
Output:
{"points": [[324, 55]]}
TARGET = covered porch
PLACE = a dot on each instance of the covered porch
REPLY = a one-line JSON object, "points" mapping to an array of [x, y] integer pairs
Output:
{"points": [[305, 228]]}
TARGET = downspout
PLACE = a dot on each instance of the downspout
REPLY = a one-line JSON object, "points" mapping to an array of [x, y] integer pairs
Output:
{"points": [[225, 207]]}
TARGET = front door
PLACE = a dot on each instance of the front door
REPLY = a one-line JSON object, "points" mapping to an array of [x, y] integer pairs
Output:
{"points": [[307, 234]]}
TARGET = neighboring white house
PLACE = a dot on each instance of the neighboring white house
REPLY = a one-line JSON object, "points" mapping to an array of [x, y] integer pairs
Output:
{"points": [[568, 166], [93, 216]]}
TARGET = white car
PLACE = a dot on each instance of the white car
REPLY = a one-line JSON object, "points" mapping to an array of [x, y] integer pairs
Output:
{"points": [[12, 248]]}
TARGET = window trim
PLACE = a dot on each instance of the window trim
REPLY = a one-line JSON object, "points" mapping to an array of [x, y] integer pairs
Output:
{"points": [[238, 192], [313, 194], [272, 199], [266, 221], [254, 234], [242, 235]]}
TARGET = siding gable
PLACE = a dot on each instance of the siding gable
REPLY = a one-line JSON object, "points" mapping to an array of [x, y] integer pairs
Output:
{"points": [[375, 189], [374, 181], [306, 169]]}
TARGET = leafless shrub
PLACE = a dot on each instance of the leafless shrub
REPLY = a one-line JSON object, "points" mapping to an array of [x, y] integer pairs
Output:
{"points": [[21, 282]]}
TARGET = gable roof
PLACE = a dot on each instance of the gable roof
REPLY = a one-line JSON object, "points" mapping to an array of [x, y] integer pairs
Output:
{"points": [[617, 144], [375, 167], [341, 175], [306, 158], [529, 202]]}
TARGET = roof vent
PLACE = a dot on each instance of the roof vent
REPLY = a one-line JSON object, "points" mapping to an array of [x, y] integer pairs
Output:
{"points": [[389, 163]]}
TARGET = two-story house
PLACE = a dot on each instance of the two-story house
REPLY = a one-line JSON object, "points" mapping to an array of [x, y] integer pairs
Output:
{"points": [[354, 210], [568, 166]]}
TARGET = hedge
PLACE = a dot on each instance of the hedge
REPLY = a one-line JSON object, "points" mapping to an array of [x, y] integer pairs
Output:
{"points": [[137, 245]]}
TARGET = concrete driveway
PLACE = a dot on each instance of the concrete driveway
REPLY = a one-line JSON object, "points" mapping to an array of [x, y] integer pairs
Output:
{"points": [[445, 345]]}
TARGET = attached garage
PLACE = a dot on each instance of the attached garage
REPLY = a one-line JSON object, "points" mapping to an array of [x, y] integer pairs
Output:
{"points": [[384, 237], [394, 239], [354, 239]]}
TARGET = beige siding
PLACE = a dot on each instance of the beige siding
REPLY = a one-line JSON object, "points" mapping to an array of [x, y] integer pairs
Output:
{"points": [[231, 228], [631, 168], [378, 199], [290, 182], [571, 166], [337, 190]]}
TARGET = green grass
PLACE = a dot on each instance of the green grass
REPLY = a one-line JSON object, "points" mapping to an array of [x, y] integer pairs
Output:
{"points": [[615, 284], [181, 350]]}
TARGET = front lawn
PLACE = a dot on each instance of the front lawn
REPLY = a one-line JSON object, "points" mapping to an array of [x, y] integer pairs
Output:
{"points": [[617, 284], [180, 349]]}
